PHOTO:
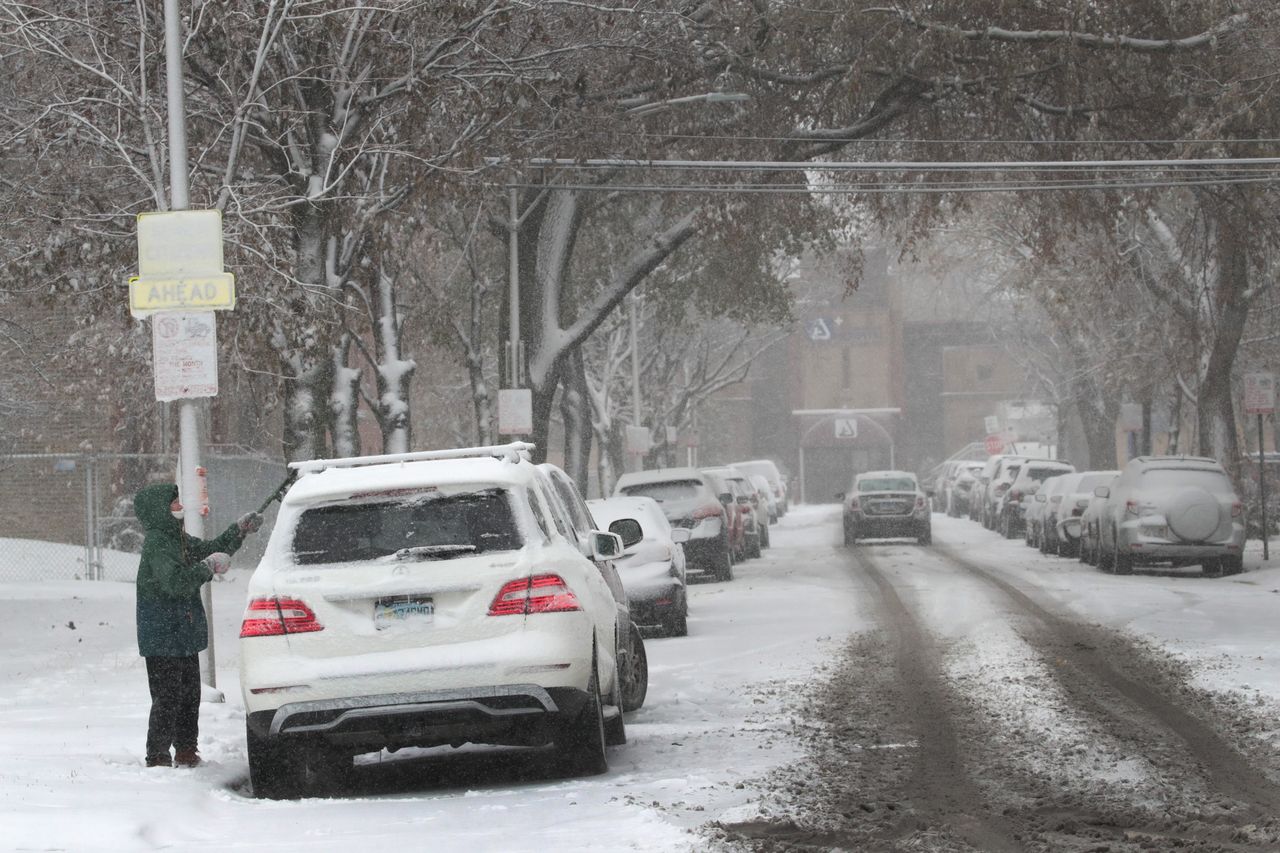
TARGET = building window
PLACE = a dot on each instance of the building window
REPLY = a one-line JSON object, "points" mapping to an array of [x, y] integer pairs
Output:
{"points": [[984, 373]]}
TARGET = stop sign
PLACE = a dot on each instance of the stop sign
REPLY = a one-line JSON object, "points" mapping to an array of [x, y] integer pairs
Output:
{"points": [[995, 444]]}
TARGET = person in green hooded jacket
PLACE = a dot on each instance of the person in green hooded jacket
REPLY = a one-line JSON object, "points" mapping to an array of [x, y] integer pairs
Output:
{"points": [[172, 627]]}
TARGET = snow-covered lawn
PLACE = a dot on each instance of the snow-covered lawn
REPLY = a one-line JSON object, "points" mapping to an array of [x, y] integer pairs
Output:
{"points": [[73, 709], [719, 714]]}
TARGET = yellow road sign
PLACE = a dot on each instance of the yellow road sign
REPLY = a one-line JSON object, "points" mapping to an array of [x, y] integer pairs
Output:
{"points": [[208, 291]]}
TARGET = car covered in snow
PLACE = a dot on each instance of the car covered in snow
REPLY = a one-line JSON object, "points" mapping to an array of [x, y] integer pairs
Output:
{"points": [[652, 565], [699, 503], [1172, 509], [1039, 507], [1012, 505], [755, 521], [962, 488], [886, 504], [777, 483], [1064, 521], [423, 599]]}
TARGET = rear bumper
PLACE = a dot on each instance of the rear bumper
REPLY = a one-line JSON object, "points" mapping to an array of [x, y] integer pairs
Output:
{"points": [[520, 714], [870, 526]]}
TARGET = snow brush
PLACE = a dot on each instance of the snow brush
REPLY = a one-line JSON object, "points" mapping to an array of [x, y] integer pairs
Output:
{"points": [[279, 492]]}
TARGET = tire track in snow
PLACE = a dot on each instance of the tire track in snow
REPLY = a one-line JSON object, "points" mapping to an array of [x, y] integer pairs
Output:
{"points": [[1093, 679]]}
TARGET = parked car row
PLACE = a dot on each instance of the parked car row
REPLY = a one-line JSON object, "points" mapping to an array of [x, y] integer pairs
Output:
{"points": [[1174, 510], [725, 511]]}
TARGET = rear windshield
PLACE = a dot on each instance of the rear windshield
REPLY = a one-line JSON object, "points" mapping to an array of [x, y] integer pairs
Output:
{"points": [[1042, 474], [675, 490], [887, 484], [1174, 478], [425, 525]]}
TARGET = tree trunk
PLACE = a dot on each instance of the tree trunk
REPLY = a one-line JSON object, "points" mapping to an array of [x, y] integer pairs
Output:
{"points": [[575, 409], [1216, 413], [395, 374], [1098, 417], [307, 358], [344, 401]]}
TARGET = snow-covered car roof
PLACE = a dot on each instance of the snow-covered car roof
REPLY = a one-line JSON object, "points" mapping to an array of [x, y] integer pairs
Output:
{"points": [[659, 475], [883, 475], [642, 509], [341, 483], [1192, 462]]}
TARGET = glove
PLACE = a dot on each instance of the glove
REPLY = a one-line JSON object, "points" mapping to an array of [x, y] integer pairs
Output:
{"points": [[250, 522], [218, 563]]}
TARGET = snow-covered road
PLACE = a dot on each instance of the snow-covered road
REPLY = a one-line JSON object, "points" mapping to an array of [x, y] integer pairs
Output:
{"points": [[726, 709]]}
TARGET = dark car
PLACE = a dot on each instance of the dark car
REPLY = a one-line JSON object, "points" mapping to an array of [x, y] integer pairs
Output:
{"points": [[698, 503], [887, 504]]}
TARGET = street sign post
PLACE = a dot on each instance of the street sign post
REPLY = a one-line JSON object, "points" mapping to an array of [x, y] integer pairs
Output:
{"points": [[515, 411], [180, 264], [185, 354], [846, 427], [1260, 400]]}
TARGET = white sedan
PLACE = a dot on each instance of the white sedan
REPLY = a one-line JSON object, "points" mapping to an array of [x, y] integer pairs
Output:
{"points": [[652, 565]]}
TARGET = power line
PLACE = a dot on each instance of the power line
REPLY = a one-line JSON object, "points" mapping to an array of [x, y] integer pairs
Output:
{"points": [[896, 188], [1269, 163]]}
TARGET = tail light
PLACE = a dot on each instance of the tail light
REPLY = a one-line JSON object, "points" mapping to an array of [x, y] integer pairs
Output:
{"points": [[274, 617], [1237, 509], [919, 503], [1000, 489], [538, 594], [1131, 507], [1015, 495], [709, 511], [854, 505]]}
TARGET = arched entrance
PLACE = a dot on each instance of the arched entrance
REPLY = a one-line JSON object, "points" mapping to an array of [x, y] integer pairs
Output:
{"points": [[836, 444]]}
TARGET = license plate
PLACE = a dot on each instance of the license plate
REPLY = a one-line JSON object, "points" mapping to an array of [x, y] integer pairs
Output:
{"points": [[403, 609]]}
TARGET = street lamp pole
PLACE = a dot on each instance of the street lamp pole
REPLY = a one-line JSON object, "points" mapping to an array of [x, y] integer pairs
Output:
{"points": [[188, 415]]}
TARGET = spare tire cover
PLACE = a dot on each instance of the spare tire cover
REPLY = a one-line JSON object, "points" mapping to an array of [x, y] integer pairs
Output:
{"points": [[1193, 514]]}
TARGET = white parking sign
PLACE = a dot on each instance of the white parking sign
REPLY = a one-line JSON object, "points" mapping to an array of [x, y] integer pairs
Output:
{"points": [[185, 350], [1260, 393]]}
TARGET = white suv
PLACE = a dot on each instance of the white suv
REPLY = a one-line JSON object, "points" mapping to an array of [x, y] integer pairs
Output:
{"points": [[1179, 509], [422, 599]]}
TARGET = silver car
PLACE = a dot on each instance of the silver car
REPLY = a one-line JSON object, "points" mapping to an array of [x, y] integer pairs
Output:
{"points": [[1173, 509]]}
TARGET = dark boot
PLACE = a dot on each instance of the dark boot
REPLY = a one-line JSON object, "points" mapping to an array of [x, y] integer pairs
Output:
{"points": [[162, 760], [187, 758]]}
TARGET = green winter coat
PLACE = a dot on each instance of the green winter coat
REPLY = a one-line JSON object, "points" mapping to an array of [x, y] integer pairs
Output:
{"points": [[171, 619]]}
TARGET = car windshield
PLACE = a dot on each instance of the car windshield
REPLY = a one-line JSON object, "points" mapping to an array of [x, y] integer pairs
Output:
{"points": [[425, 525], [674, 490], [887, 484], [1164, 479]]}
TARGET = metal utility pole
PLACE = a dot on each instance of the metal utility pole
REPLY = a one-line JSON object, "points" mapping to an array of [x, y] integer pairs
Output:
{"points": [[515, 380], [189, 446]]}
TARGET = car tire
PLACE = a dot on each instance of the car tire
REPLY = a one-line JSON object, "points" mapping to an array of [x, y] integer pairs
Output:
{"points": [[615, 728], [764, 536], [756, 548], [1007, 524], [678, 626], [722, 569], [582, 740], [926, 536], [1232, 565], [1101, 556], [1121, 563], [275, 772], [635, 673]]}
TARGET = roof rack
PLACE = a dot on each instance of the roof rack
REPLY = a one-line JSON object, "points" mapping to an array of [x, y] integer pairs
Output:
{"points": [[513, 452]]}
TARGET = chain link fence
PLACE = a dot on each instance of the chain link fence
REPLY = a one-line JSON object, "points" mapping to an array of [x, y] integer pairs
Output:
{"points": [[69, 516]]}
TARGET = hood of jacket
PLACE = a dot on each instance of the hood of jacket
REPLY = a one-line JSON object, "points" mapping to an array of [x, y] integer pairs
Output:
{"points": [[151, 505]]}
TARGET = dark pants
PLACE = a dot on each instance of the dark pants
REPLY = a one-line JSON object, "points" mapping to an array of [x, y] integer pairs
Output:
{"points": [[175, 703]]}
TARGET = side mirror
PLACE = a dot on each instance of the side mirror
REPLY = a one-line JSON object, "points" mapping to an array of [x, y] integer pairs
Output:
{"points": [[1102, 492], [628, 530], [840, 496], [744, 500], [930, 492], [726, 498], [680, 535], [605, 546]]}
